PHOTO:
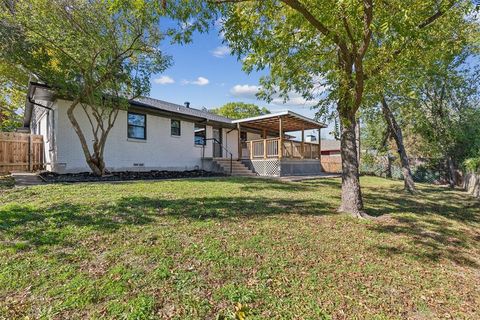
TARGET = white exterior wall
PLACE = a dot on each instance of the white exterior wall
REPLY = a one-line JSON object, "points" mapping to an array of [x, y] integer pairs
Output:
{"points": [[44, 125], [230, 141], [160, 151]]}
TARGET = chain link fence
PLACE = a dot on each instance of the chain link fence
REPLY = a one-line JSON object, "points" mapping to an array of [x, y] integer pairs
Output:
{"points": [[420, 173]]}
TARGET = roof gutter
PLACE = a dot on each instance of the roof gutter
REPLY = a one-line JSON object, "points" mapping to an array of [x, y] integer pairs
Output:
{"points": [[38, 104]]}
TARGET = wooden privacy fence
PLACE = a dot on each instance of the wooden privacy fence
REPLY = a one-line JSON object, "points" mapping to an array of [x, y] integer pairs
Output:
{"points": [[332, 164], [20, 152]]}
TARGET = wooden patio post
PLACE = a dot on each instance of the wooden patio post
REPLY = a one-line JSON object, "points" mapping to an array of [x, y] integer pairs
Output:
{"points": [[303, 143], [280, 140], [264, 143], [239, 142], [319, 145]]}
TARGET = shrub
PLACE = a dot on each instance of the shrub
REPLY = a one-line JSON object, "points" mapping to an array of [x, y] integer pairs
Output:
{"points": [[472, 164]]}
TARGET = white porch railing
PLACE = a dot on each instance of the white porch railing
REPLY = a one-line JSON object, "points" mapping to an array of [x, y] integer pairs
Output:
{"points": [[269, 148]]}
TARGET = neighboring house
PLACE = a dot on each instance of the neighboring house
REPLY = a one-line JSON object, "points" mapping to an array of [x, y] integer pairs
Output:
{"points": [[330, 147], [158, 135]]}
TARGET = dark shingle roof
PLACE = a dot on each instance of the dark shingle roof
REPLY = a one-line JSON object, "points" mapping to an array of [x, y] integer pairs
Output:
{"points": [[176, 108]]}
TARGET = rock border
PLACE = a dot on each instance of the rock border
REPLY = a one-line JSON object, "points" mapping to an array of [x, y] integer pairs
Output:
{"points": [[52, 177]]}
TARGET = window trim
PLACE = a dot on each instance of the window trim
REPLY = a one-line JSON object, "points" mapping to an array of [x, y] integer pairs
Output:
{"points": [[179, 128], [144, 127]]}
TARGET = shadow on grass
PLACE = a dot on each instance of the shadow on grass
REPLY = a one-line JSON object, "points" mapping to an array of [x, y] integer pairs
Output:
{"points": [[436, 229], [60, 224]]}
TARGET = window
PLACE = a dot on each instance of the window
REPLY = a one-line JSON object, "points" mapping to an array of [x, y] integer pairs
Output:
{"points": [[175, 127], [200, 134], [243, 136], [137, 126]]}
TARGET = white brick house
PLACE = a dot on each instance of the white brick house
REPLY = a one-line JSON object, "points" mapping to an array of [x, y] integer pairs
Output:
{"points": [[158, 135]]}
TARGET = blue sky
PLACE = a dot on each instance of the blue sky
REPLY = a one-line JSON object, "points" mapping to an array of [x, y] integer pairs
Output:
{"points": [[205, 74]]}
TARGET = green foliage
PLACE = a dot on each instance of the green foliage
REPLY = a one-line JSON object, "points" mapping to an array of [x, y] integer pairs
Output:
{"points": [[300, 57], [446, 113], [472, 164], [240, 110], [374, 131], [85, 49], [13, 83]]}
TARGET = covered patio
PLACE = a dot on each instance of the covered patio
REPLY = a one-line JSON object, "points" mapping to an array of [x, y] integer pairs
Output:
{"points": [[275, 153]]}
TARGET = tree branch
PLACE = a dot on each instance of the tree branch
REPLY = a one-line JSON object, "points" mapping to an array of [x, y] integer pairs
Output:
{"points": [[425, 23], [367, 22], [300, 8]]}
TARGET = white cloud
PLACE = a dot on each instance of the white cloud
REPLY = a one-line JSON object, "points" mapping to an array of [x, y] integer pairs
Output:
{"points": [[295, 100], [221, 51], [163, 80], [245, 91], [249, 92], [200, 81]]}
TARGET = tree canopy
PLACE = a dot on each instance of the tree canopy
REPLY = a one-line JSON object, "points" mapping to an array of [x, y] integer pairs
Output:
{"points": [[98, 54], [240, 110]]}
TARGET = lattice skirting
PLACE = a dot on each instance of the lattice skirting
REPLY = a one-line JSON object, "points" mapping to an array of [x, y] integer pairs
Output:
{"points": [[269, 167], [285, 167]]}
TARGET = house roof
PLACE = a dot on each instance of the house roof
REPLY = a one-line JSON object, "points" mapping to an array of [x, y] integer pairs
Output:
{"points": [[330, 145], [291, 121], [179, 109], [38, 91]]}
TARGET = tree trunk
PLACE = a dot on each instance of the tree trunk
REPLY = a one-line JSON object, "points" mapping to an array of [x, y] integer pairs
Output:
{"points": [[351, 193], [357, 135], [452, 175], [388, 173], [95, 161], [398, 137]]}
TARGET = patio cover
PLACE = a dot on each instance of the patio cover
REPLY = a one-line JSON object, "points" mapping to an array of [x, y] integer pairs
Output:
{"points": [[290, 121]]}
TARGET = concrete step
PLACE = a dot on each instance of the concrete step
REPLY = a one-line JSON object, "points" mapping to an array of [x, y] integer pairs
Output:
{"points": [[233, 164], [234, 168], [238, 168]]}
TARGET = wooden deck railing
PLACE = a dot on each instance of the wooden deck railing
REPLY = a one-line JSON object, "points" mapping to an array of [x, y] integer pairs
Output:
{"points": [[269, 148]]}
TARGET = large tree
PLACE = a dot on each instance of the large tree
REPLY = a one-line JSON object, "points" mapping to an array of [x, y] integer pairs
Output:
{"points": [[446, 114], [240, 110], [98, 54], [343, 46]]}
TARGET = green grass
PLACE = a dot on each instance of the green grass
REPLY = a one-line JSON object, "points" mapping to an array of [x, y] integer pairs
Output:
{"points": [[201, 249]]}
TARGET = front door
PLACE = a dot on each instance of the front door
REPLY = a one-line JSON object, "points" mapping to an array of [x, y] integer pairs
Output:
{"points": [[217, 148]]}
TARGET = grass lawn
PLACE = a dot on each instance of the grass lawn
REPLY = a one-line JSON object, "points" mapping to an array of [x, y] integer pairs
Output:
{"points": [[196, 249]]}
